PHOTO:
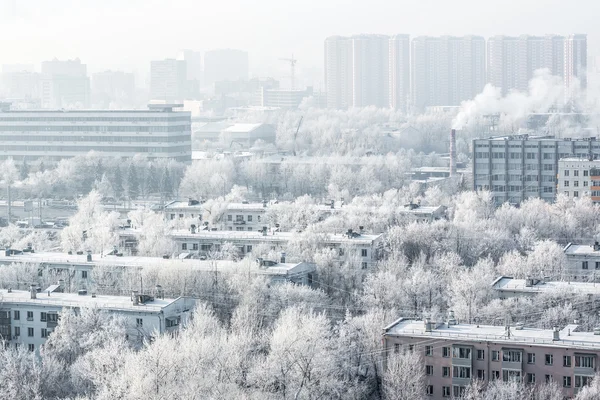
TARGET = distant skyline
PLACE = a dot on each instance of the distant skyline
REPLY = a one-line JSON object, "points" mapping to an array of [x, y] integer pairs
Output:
{"points": [[112, 34]]}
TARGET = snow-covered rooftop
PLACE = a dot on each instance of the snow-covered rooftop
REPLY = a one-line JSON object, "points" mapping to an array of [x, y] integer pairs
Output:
{"points": [[508, 284], [466, 333], [581, 250], [241, 128]]}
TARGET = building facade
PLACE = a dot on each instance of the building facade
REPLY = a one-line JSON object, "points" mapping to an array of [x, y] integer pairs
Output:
{"points": [[579, 177], [168, 80], [575, 62], [113, 87], [64, 84], [399, 72], [28, 318], [455, 354], [507, 287], [158, 132], [583, 262], [338, 72], [518, 167]]}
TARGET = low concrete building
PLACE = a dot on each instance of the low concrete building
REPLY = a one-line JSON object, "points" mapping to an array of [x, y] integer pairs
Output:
{"points": [[455, 354], [247, 134], [27, 318], [583, 262], [418, 213], [77, 269], [507, 287]]}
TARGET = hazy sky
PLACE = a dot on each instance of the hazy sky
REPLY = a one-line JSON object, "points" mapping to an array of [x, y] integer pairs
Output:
{"points": [[127, 34]]}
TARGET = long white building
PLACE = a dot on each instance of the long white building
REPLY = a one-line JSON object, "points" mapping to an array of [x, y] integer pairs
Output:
{"points": [[28, 318], [159, 132]]}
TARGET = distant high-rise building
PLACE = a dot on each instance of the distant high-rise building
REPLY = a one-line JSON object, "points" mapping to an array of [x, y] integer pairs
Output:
{"points": [[446, 70], [64, 84], [399, 71], [168, 80], [575, 53], [502, 65], [19, 81], [338, 71], [225, 65], [370, 70], [115, 87], [193, 60]]}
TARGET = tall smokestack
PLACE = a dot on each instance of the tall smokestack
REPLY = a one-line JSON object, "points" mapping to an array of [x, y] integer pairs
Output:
{"points": [[453, 152]]}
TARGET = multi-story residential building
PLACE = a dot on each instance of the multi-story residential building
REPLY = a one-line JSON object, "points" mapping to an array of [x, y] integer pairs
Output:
{"points": [[352, 246], [64, 84], [77, 270], [507, 287], [583, 262], [159, 132], [28, 318], [579, 177], [168, 80], [193, 60], [575, 61], [399, 71], [338, 71], [225, 65], [113, 87], [20, 82], [281, 98], [454, 354], [370, 70], [446, 70], [518, 167], [419, 213]]}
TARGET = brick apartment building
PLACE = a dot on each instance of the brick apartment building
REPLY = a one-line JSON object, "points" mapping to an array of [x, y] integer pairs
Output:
{"points": [[453, 354]]}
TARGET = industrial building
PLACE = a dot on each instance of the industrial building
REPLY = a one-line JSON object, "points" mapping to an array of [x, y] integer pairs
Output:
{"points": [[454, 354], [159, 132]]}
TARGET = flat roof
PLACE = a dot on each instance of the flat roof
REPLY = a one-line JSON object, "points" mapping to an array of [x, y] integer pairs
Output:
{"points": [[271, 236], [581, 250], [241, 128], [465, 333], [508, 284], [140, 262], [421, 209], [75, 300]]}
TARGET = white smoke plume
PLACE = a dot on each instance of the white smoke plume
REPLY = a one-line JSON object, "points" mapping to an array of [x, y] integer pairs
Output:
{"points": [[545, 92]]}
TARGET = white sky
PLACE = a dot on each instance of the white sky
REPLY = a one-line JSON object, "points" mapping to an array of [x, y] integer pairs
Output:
{"points": [[127, 34]]}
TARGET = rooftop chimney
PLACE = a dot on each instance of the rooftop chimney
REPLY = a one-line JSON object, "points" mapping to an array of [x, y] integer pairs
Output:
{"points": [[89, 256], [159, 292], [282, 260], [453, 152], [596, 246], [33, 291], [193, 228], [555, 334], [428, 325], [134, 297]]}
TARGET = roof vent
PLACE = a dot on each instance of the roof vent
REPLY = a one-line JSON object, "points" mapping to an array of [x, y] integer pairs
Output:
{"points": [[597, 331], [519, 326], [451, 318], [555, 334], [82, 292]]}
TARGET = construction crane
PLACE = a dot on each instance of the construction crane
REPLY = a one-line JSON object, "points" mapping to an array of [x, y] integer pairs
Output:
{"points": [[292, 62]]}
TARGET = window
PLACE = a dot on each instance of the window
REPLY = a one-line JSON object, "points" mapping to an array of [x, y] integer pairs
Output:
{"points": [[576, 183], [249, 218], [586, 173], [239, 228], [429, 390], [84, 274], [576, 194], [495, 355], [530, 358], [29, 315], [31, 347], [258, 218], [239, 218], [549, 359], [585, 183], [481, 354], [548, 378], [44, 332], [363, 252], [576, 173], [584, 265], [461, 372], [445, 372], [581, 381], [461, 352], [511, 356], [248, 249], [139, 322], [184, 246], [566, 361], [445, 351], [566, 172], [17, 331], [30, 332], [567, 381], [17, 314], [229, 217], [43, 317], [481, 374], [584, 361], [180, 216], [530, 378], [172, 216], [458, 390], [429, 370], [52, 317], [509, 374], [495, 375], [396, 347], [597, 264], [364, 265], [446, 391], [428, 350], [566, 183]]}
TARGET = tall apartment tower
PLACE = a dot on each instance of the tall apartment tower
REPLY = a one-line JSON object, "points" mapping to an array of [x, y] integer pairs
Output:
{"points": [[502, 62], [338, 71], [225, 65], [446, 70], [370, 70], [575, 56], [168, 79], [64, 84], [399, 71]]}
